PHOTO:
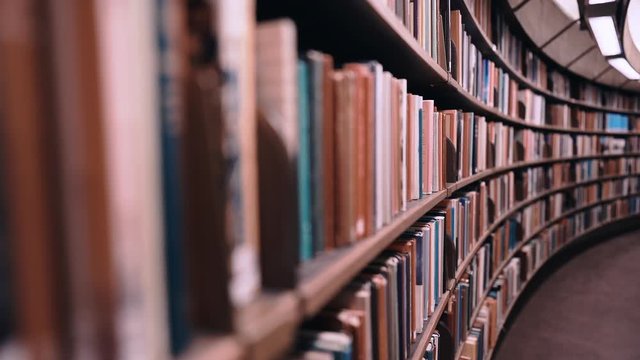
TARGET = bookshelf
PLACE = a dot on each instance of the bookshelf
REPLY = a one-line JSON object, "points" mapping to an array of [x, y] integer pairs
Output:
{"points": [[487, 47], [525, 241], [267, 320], [376, 20]]}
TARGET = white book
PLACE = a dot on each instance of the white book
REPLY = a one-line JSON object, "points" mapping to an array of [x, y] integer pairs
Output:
{"points": [[403, 144], [376, 69], [131, 116]]}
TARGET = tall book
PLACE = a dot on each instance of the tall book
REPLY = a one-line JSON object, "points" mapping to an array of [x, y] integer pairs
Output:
{"points": [[235, 34], [364, 147], [24, 132], [321, 110], [82, 135], [345, 120], [7, 302], [285, 155], [130, 113]]}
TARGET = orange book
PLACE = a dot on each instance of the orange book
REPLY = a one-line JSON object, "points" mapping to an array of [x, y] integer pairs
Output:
{"points": [[363, 181], [345, 94]]}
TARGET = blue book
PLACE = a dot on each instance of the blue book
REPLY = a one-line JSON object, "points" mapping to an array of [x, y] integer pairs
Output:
{"points": [[179, 331], [305, 189]]}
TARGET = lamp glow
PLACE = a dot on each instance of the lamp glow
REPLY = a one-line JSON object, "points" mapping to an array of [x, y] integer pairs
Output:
{"points": [[622, 65], [604, 30], [569, 8], [595, 2]]}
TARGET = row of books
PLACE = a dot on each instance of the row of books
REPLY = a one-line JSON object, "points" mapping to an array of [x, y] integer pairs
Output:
{"points": [[490, 300], [594, 94], [171, 176], [382, 312], [536, 110], [367, 147], [523, 59], [385, 308], [492, 85], [426, 21], [481, 77]]}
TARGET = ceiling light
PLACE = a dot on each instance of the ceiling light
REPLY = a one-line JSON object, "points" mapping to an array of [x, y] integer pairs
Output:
{"points": [[622, 65], [594, 2], [569, 8], [604, 30], [633, 14]]}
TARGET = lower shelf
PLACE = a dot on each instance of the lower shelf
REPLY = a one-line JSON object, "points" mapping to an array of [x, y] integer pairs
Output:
{"points": [[570, 242]]}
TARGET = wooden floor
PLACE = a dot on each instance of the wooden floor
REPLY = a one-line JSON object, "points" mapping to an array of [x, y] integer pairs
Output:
{"points": [[588, 308]]}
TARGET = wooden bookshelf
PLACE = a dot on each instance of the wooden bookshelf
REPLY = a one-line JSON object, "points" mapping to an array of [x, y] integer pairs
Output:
{"points": [[525, 241], [519, 206], [261, 321], [582, 235], [396, 49], [418, 348], [270, 322], [486, 46], [380, 35], [322, 277]]}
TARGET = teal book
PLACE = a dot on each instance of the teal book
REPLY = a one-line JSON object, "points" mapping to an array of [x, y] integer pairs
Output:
{"points": [[305, 189], [317, 114]]}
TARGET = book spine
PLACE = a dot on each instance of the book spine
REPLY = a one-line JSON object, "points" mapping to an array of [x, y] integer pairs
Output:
{"points": [[131, 114], [235, 28], [304, 164]]}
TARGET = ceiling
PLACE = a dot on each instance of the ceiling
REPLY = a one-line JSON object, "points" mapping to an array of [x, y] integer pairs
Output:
{"points": [[558, 34]]}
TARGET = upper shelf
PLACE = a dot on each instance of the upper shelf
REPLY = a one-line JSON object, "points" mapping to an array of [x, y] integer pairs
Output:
{"points": [[378, 34], [486, 46]]}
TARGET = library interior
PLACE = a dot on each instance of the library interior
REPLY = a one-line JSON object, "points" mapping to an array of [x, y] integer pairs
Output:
{"points": [[319, 179]]}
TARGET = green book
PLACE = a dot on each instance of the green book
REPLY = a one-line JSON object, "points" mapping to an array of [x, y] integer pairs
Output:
{"points": [[305, 191]]}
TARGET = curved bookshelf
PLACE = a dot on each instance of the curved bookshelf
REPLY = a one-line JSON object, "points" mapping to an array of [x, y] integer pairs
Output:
{"points": [[521, 205], [482, 41], [383, 37], [525, 241], [321, 278], [462, 267], [401, 54], [570, 241]]}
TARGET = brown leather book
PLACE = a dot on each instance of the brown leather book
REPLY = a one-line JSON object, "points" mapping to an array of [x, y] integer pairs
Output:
{"points": [[466, 141], [379, 284], [345, 97], [408, 246], [456, 38], [277, 152], [30, 180], [493, 320], [87, 210], [363, 181], [451, 145]]}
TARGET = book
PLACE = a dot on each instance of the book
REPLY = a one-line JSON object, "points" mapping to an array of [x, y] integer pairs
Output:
{"points": [[235, 35], [284, 153], [131, 113]]}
